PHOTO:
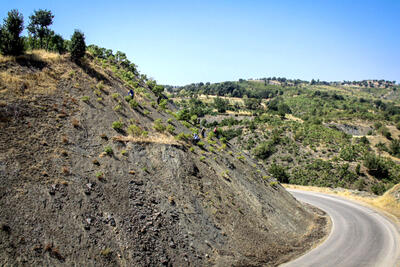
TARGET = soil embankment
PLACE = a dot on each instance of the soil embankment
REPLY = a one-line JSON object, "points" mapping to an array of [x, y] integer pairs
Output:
{"points": [[76, 190]]}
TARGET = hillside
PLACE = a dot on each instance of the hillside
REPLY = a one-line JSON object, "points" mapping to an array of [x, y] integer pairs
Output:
{"points": [[320, 133], [93, 177]]}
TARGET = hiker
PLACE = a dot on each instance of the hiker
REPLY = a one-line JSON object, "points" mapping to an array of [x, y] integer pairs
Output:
{"points": [[196, 138], [131, 93], [203, 132], [216, 132]]}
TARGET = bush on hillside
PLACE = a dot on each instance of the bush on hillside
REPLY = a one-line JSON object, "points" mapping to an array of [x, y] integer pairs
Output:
{"points": [[279, 173], [264, 150], [376, 166]]}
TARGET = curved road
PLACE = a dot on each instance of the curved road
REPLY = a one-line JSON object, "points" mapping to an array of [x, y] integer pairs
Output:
{"points": [[360, 236]]}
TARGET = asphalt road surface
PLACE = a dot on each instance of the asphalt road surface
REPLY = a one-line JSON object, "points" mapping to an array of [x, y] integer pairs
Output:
{"points": [[360, 236]]}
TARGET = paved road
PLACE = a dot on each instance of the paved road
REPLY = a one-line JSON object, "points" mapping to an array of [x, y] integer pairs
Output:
{"points": [[360, 236]]}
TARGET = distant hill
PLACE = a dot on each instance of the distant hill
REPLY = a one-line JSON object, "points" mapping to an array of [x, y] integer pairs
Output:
{"points": [[336, 134]]}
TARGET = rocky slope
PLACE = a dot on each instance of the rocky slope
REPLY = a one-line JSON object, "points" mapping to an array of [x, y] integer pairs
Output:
{"points": [[76, 191]]}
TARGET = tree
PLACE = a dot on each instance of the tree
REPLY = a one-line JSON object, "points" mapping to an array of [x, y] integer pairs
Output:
{"points": [[10, 41], [283, 109], [57, 43], [221, 104], [77, 46], [38, 27], [252, 103]]}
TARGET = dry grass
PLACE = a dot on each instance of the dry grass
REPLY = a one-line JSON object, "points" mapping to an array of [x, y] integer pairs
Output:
{"points": [[158, 139], [35, 55], [386, 203], [293, 118], [42, 81]]}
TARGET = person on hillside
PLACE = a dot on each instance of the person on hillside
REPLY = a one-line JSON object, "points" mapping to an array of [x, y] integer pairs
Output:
{"points": [[196, 138], [216, 132], [131, 93], [203, 132]]}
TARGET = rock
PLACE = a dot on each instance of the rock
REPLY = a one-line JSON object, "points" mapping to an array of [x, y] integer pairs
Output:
{"points": [[136, 182]]}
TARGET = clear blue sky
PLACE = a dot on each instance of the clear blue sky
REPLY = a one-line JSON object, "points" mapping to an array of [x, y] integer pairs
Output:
{"points": [[180, 42]]}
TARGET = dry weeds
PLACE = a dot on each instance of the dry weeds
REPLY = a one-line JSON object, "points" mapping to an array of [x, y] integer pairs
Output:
{"points": [[157, 138]]}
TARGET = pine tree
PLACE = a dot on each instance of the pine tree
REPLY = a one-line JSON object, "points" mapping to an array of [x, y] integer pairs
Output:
{"points": [[78, 46]]}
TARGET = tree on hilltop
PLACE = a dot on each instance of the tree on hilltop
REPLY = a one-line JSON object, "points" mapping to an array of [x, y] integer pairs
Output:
{"points": [[78, 46], [39, 25], [10, 41]]}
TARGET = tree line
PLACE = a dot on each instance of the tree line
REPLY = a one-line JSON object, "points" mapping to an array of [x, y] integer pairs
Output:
{"points": [[40, 36]]}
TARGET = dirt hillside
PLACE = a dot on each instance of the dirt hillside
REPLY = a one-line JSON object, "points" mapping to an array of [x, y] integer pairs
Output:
{"points": [[77, 189]]}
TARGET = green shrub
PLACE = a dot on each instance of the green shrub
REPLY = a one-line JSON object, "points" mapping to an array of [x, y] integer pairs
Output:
{"points": [[279, 173], [99, 175], [359, 184], [163, 104], [117, 125], [118, 107], [108, 150], [115, 95], [200, 144], [378, 189], [241, 158], [124, 152], [348, 153], [273, 183], [97, 92], [358, 168], [128, 98], [385, 132], [169, 121], [377, 125], [364, 140], [85, 98], [202, 158], [159, 126], [264, 150], [133, 103], [134, 130], [182, 136], [186, 124], [394, 148], [376, 166], [210, 135], [170, 128], [100, 85]]}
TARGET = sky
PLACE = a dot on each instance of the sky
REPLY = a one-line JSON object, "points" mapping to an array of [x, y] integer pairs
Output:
{"points": [[183, 42]]}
